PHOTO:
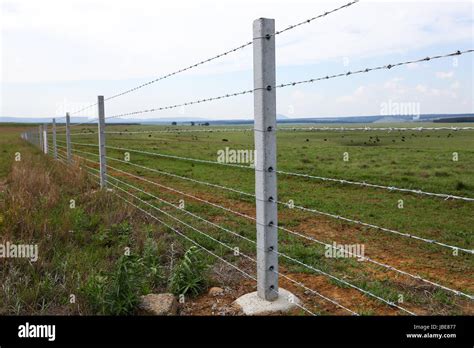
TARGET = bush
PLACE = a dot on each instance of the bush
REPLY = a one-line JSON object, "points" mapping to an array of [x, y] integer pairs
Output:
{"points": [[151, 260], [119, 292], [189, 276]]}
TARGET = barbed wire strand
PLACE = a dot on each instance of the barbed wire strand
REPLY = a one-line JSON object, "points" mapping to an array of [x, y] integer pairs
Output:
{"points": [[366, 70], [417, 277], [327, 77], [305, 129], [204, 234], [278, 253], [338, 217], [341, 181], [232, 249], [220, 55]]}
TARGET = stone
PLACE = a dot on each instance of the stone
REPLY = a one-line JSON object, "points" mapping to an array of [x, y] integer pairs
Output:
{"points": [[252, 304], [158, 304], [216, 291]]}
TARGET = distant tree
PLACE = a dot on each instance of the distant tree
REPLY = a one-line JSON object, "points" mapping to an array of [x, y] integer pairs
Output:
{"points": [[192, 123], [206, 124], [173, 123]]}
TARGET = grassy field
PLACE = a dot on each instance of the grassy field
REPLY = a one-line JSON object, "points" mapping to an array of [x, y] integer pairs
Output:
{"points": [[409, 159]]}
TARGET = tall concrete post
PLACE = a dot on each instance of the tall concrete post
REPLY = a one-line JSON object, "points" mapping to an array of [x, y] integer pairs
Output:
{"points": [[68, 137], [45, 138], [103, 165], [55, 147], [40, 137], [265, 168]]}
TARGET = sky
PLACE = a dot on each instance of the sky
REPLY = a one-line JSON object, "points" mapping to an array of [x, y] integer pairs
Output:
{"points": [[58, 56]]}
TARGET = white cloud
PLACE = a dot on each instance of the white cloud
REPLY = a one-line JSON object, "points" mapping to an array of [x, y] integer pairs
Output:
{"points": [[84, 44], [445, 75], [421, 88], [53, 40], [455, 85]]}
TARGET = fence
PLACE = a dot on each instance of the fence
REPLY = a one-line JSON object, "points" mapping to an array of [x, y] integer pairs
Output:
{"points": [[265, 197]]}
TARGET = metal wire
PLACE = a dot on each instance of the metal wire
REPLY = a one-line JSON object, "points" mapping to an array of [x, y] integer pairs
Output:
{"points": [[388, 66], [199, 101], [338, 217], [278, 253], [341, 181], [186, 237], [309, 20], [389, 129], [225, 245], [218, 130], [220, 55], [217, 241], [446, 196], [235, 234], [417, 277], [82, 109]]}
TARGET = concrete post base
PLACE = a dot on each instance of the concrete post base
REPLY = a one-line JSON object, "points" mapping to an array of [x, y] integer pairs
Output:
{"points": [[252, 304]]}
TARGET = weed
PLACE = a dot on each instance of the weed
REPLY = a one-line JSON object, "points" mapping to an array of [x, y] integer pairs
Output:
{"points": [[189, 275]]}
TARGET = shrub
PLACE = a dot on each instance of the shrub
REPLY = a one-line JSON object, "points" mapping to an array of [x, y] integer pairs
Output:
{"points": [[189, 276], [118, 292]]}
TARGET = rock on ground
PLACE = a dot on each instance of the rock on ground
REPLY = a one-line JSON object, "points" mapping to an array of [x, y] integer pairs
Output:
{"points": [[216, 291], [158, 304]]}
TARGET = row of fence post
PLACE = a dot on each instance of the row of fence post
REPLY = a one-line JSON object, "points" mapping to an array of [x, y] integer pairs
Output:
{"points": [[265, 146]]}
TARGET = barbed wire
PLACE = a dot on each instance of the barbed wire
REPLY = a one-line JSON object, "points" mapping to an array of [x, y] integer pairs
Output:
{"points": [[278, 253], [446, 196], [288, 257], [217, 130], [226, 230], [372, 226], [213, 239], [389, 129], [416, 277], [82, 109], [229, 95], [186, 237], [254, 260], [337, 217], [341, 181], [169, 107], [366, 70], [202, 62]]}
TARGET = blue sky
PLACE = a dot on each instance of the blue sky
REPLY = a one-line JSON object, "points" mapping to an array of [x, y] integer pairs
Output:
{"points": [[58, 56]]}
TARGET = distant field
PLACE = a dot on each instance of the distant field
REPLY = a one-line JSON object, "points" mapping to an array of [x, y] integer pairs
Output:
{"points": [[405, 159]]}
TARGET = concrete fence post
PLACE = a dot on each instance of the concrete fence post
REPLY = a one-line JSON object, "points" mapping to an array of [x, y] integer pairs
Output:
{"points": [[265, 168], [55, 147], [102, 153], [68, 137], [45, 138], [40, 137]]}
